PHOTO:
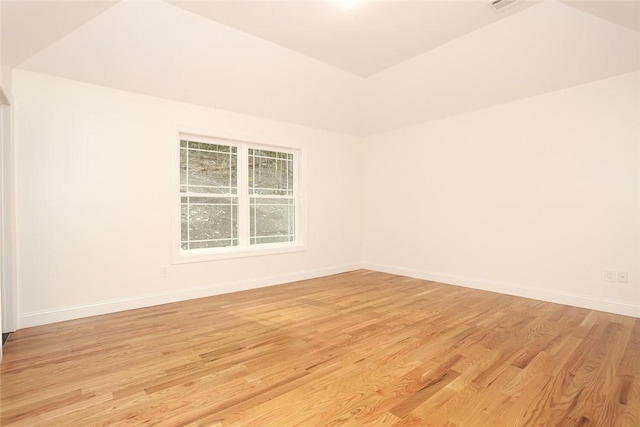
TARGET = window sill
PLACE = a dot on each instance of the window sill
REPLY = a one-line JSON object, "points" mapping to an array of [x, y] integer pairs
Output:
{"points": [[204, 255]]}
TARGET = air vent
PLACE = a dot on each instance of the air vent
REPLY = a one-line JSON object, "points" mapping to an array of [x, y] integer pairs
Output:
{"points": [[498, 5]]}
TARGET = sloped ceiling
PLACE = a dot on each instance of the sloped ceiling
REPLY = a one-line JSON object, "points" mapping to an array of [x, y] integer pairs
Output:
{"points": [[30, 26], [548, 47], [625, 12], [371, 37], [156, 49], [381, 65]]}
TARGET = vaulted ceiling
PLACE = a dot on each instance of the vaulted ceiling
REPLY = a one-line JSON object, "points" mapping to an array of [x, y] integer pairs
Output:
{"points": [[264, 57]]}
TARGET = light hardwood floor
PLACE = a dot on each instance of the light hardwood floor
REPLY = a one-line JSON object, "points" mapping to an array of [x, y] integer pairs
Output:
{"points": [[359, 349]]}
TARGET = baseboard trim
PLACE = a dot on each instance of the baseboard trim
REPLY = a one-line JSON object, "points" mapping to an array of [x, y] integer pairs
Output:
{"points": [[111, 306], [576, 300], [121, 304]]}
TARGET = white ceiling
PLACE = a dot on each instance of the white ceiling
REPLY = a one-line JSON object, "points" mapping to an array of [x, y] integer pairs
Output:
{"points": [[371, 37], [545, 48], [318, 64], [621, 12], [365, 40], [30, 26]]}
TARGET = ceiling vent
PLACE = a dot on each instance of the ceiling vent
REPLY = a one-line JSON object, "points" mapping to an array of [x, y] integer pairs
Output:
{"points": [[499, 5]]}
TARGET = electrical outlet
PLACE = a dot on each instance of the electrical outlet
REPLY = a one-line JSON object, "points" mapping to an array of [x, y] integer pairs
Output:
{"points": [[164, 271], [609, 276], [623, 277]]}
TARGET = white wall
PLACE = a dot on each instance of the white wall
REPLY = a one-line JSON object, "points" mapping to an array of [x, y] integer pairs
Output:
{"points": [[535, 197], [93, 169], [2, 101]]}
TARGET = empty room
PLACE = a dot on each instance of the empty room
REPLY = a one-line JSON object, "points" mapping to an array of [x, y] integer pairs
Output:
{"points": [[320, 212]]}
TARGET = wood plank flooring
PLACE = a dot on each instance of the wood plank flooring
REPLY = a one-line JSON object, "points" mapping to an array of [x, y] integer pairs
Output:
{"points": [[355, 349]]}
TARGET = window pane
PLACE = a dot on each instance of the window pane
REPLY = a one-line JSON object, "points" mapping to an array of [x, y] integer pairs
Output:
{"points": [[209, 168], [272, 220], [184, 223], [183, 169], [211, 147], [209, 222], [213, 244], [270, 173]]}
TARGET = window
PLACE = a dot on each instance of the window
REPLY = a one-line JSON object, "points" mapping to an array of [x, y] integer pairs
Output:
{"points": [[237, 198], [271, 197]]}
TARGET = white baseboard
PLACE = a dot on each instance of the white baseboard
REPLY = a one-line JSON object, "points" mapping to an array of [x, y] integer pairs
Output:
{"points": [[584, 301], [26, 320]]}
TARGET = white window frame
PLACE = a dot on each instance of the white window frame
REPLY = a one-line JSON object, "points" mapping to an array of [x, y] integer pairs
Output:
{"points": [[244, 249]]}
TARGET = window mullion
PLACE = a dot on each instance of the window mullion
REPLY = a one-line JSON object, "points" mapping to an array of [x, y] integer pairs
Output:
{"points": [[186, 183], [243, 196], [298, 195]]}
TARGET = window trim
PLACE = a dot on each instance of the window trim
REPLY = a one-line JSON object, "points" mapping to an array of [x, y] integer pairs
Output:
{"points": [[180, 256]]}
